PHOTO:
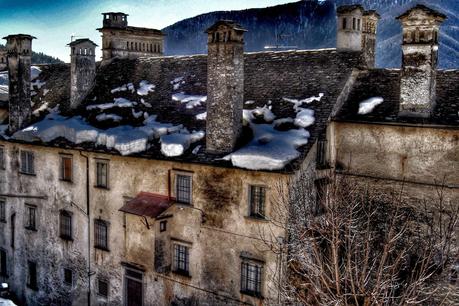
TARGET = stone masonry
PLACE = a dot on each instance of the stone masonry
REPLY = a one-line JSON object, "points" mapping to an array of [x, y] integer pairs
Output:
{"points": [[225, 86], [82, 70], [420, 54], [19, 50]]}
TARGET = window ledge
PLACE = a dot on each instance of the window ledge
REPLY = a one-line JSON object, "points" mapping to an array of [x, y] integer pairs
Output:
{"points": [[101, 248], [66, 181], [253, 294], [182, 273], [255, 218], [101, 187], [28, 174]]}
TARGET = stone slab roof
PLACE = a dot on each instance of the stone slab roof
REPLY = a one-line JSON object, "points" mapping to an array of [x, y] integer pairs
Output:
{"points": [[385, 83]]}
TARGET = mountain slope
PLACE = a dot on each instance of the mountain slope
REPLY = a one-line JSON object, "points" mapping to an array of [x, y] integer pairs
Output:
{"points": [[311, 24]]}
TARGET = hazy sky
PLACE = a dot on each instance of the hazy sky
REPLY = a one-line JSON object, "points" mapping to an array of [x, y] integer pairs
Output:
{"points": [[53, 22]]}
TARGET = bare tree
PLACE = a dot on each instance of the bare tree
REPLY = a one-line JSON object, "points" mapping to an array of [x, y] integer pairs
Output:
{"points": [[349, 245]]}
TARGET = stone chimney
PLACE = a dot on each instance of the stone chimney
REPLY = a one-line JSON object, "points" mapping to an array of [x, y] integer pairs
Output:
{"points": [[82, 70], [369, 27], [349, 28], [115, 20], [421, 26], [19, 53], [225, 86]]}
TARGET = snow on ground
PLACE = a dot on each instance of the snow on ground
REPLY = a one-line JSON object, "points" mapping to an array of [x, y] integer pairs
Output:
{"points": [[145, 88], [367, 106], [176, 144], [105, 117], [125, 139], [270, 149], [190, 100], [202, 116]]}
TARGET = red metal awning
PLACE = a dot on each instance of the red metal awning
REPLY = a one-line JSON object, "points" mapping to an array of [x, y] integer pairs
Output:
{"points": [[147, 204]]}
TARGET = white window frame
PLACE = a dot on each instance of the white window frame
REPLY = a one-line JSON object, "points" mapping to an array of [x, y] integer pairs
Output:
{"points": [[27, 162]]}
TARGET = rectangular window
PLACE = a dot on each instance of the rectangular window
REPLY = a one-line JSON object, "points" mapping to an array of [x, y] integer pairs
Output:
{"points": [[353, 23], [344, 23], [102, 173], [358, 24], [65, 225], [3, 271], [102, 288], [257, 199], [183, 188], [66, 168], [101, 235], [31, 217], [181, 259], [2, 157], [251, 274], [2, 210], [27, 162], [32, 275], [162, 226], [68, 277]]}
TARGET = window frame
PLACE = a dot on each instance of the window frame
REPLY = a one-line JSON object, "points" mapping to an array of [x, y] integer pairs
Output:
{"points": [[258, 281], [27, 162], [178, 175], [255, 213], [63, 227], [3, 210], [62, 173], [31, 219], [105, 162], [176, 260], [107, 282], [97, 239], [162, 226]]}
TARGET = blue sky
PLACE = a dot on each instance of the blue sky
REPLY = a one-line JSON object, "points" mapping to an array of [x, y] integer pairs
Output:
{"points": [[53, 22]]}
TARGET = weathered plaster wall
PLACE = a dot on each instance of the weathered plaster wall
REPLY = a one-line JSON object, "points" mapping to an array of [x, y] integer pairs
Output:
{"points": [[217, 239], [421, 155]]}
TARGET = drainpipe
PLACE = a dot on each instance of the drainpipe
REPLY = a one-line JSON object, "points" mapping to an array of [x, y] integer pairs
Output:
{"points": [[89, 226]]}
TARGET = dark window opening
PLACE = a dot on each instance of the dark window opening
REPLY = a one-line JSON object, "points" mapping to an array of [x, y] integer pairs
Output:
{"points": [[101, 235], [321, 156], [2, 152], [68, 277], [162, 226], [3, 263], [32, 275], [102, 288], [181, 259], [65, 225], [2, 210], [31, 217], [13, 229], [257, 200], [183, 187], [251, 274], [358, 24], [344, 23], [353, 23]]}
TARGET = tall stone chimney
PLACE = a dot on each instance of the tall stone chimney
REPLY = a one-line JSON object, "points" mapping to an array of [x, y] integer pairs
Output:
{"points": [[225, 86], [349, 28], [19, 53], [421, 26], [82, 69], [369, 28]]}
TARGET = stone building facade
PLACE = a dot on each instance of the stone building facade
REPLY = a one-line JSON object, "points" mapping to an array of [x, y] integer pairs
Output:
{"points": [[80, 220], [121, 40]]}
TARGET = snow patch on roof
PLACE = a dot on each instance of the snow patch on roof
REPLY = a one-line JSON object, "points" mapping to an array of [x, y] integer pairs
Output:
{"points": [[202, 116], [190, 100], [176, 144], [145, 88], [104, 117], [264, 112], [367, 106], [304, 118]]}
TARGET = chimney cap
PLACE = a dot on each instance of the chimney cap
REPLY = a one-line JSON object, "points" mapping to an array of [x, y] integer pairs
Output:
{"points": [[425, 9], [349, 8], [82, 40], [115, 13], [19, 36], [227, 23]]}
